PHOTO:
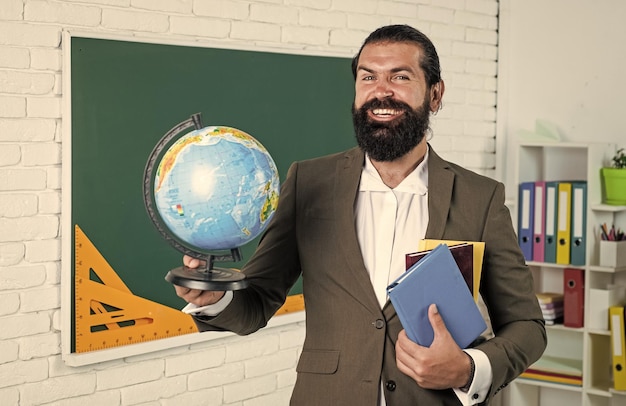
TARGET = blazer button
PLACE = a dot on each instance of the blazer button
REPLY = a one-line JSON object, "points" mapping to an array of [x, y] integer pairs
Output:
{"points": [[379, 324], [390, 385]]}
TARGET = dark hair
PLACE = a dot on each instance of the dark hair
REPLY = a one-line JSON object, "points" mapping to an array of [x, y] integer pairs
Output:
{"points": [[405, 33]]}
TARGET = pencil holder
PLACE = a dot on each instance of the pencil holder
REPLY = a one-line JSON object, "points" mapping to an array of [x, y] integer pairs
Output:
{"points": [[613, 253]]}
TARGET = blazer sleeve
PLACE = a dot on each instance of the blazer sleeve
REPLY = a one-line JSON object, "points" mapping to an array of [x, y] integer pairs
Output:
{"points": [[508, 291]]}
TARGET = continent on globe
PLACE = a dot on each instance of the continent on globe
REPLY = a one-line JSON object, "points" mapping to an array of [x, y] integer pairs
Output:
{"points": [[216, 188]]}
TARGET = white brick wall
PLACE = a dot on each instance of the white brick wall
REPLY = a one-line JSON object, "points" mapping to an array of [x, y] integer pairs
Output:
{"points": [[257, 370]]}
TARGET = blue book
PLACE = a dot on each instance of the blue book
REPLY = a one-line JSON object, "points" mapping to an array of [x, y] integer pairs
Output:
{"points": [[436, 278]]}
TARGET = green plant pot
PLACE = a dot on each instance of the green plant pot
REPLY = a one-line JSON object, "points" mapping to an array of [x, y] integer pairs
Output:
{"points": [[613, 186]]}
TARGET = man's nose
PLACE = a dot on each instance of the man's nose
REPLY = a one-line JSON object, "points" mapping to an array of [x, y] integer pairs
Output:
{"points": [[383, 90]]}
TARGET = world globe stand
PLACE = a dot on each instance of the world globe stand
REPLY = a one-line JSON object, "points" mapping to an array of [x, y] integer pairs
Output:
{"points": [[208, 277]]}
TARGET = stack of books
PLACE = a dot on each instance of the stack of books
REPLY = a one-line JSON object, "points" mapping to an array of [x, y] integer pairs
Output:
{"points": [[551, 307], [556, 370]]}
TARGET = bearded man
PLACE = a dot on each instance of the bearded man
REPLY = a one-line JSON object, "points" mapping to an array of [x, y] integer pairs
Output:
{"points": [[345, 222]]}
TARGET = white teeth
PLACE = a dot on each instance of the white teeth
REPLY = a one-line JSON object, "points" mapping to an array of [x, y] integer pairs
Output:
{"points": [[381, 112]]}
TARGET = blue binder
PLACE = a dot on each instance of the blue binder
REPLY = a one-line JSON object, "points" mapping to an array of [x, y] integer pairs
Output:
{"points": [[526, 218]]}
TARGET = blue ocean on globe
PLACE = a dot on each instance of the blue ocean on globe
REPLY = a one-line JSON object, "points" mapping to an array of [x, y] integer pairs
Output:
{"points": [[216, 188]]}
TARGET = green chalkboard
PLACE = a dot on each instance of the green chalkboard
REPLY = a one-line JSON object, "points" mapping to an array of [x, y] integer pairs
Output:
{"points": [[126, 95]]}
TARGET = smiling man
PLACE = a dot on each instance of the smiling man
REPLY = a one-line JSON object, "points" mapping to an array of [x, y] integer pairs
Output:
{"points": [[345, 221]]}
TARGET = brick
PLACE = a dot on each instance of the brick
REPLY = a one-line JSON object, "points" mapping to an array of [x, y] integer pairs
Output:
{"points": [[224, 9], [435, 14], [249, 388], [204, 397], [27, 130], [199, 27], [194, 361], [11, 10], [14, 57], [488, 7], [35, 300], [53, 178], [279, 397], [10, 155], [255, 31], [168, 6], [29, 228], [40, 154], [265, 344], [41, 345], [10, 396], [57, 389], [355, 6], [9, 303], [46, 59], [153, 391], [44, 107], [475, 20], [62, 13], [396, 9], [273, 14], [98, 398], [35, 35], [347, 38], [117, 19], [130, 374], [17, 82], [19, 372], [216, 377], [280, 361], [365, 23], [21, 179], [49, 203], [11, 253], [292, 338], [482, 36], [315, 4], [319, 18], [23, 325], [305, 35], [12, 106]]}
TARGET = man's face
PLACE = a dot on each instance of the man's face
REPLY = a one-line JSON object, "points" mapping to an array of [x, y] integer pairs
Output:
{"points": [[392, 103]]}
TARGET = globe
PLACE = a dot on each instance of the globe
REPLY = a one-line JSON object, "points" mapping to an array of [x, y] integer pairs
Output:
{"points": [[216, 188]]}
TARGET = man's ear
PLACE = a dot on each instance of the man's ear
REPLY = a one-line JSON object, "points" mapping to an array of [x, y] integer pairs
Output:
{"points": [[436, 95]]}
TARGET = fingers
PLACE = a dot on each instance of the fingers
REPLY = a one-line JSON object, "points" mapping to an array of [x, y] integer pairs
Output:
{"points": [[437, 323], [192, 262]]}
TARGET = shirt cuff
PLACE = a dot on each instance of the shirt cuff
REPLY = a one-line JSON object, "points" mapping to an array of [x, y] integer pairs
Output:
{"points": [[211, 310], [483, 377]]}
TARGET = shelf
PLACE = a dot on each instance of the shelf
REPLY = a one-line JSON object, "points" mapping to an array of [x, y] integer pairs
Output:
{"points": [[540, 161]]}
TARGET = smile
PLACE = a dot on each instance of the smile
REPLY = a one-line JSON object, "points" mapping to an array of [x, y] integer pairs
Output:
{"points": [[385, 113]]}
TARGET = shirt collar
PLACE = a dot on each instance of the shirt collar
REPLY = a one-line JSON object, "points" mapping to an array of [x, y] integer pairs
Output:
{"points": [[416, 182]]}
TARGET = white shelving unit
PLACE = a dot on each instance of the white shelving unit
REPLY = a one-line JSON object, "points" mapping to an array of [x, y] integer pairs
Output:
{"points": [[553, 161]]}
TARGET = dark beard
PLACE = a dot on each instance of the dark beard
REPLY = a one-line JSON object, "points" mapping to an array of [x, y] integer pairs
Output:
{"points": [[388, 141]]}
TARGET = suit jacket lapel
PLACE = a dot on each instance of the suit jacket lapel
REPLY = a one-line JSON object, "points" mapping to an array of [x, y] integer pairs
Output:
{"points": [[347, 178], [440, 184]]}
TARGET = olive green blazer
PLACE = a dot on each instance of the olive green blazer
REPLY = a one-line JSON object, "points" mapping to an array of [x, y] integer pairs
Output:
{"points": [[349, 344]]}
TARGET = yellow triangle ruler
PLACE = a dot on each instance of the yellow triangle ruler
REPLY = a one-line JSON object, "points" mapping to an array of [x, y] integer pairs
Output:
{"points": [[106, 312]]}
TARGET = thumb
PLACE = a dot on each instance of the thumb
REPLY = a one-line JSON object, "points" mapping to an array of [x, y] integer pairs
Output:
{"points": [[436, 321]]}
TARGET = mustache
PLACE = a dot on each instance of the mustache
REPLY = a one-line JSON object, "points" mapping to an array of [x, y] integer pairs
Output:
{"points": [[386, 103]]}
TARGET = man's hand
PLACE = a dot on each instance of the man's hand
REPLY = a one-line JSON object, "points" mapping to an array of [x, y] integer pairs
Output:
{"points": [[198, 297], [443, 365]]}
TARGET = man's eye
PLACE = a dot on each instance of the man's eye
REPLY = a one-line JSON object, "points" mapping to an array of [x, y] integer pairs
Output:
{"points": [[402, 77], [368, 78]]}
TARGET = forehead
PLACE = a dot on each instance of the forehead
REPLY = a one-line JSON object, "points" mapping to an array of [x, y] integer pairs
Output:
{"points": [[390, 55]]}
